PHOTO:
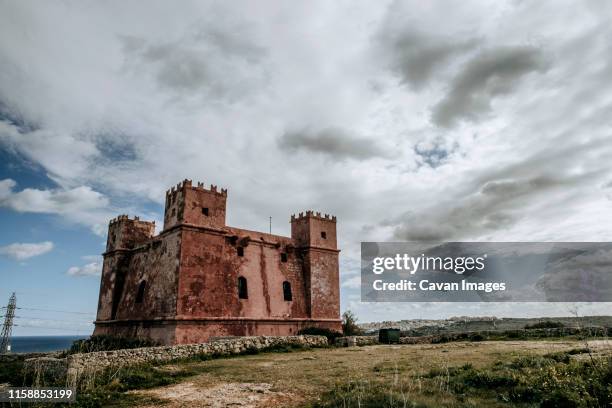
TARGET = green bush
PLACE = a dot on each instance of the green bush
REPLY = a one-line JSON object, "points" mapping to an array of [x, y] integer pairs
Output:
{"points": [[365, 394], [12, 372], [487, 379], [476, 337], [552, 380], [349, 324], [318, 331], [108, 343], [547, 324]]}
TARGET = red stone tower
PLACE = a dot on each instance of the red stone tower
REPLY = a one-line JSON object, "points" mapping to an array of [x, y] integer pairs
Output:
{"points": [[315, 235], [200, 278]]}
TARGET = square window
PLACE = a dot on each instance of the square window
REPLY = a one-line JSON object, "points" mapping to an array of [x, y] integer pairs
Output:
{"points": [[323, 234], [205, 211]]}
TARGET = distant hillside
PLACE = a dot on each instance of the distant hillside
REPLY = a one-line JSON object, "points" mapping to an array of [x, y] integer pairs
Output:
{"points": [[462, 324]]}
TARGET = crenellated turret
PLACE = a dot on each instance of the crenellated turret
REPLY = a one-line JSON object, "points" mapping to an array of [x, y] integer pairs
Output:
{"points": [[126, 233], [195, 205], [312, 229]]}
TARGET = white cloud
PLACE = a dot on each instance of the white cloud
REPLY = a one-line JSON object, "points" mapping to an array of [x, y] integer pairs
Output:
{"points": [[90, 269], [80, 204], [23, 251], [92, 258]]}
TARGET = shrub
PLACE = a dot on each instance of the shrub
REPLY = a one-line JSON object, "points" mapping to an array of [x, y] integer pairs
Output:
{"points": [[108, 343], [552, 380], [365, 394], [318, 331], [349, 324], [476, 337], [11, 372], [488, 379], [547, 324]]}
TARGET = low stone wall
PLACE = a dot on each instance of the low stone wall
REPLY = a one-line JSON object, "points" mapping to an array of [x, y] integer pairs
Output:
{"points": [[11, 357], [351, 341], [521, 334], [524, 334], [81, 369], [417, 340]]}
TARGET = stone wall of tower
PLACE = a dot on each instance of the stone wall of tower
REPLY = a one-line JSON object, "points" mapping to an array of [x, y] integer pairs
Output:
{"points": [[211, 264], [124, 234], [315, 236]]}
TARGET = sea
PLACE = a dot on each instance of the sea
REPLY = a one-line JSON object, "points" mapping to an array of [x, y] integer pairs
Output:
{"points": [[34, 344]]}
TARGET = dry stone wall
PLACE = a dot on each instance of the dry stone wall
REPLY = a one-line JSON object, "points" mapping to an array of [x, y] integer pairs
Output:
{"points": [[351, 341], [81, 369]]}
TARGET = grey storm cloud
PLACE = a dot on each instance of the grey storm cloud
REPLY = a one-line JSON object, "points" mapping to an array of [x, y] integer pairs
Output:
{"points": [[417, 56], [332, 142], [489, 74], [495, 205], [220, 62]]}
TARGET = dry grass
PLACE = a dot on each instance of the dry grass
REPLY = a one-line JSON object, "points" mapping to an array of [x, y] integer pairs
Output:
{"points": [[300, 378]]}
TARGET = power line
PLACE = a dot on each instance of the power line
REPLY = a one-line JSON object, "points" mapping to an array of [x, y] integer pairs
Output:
{"points": [[43, 327], [53, 320], [55, 311]]}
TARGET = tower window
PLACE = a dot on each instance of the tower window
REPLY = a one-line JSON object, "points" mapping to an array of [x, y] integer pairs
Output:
{"points": [[243, 292], [287, 291], [323, 234], [205, 211], [240, 251], [173, 212], [141, 290], [283, 257]]}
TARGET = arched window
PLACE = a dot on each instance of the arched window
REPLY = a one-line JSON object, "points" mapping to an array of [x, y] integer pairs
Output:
{"points": [[141, 290], [243, 292], [287, 291]]}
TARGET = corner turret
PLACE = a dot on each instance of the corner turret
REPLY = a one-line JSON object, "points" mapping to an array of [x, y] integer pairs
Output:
{"points": [[312, 229], [195, 205], [127, 233]]}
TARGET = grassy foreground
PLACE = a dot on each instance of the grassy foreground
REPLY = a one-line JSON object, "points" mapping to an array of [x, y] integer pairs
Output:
{"points": [[552, 373]]}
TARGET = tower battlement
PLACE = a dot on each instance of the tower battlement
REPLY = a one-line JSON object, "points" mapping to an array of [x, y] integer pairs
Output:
{"points": [[187, 203], [188, 184], [125, 217], [312, 214]]}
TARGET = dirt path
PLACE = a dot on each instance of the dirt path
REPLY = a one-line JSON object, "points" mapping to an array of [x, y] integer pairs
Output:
{"points": [[247, 395]]}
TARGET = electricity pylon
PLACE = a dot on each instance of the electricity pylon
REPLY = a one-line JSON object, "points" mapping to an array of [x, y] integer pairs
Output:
{"points": [[7, 327]]}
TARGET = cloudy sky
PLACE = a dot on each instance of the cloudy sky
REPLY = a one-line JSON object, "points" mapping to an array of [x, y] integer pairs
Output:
{"points": [[408, 120]]}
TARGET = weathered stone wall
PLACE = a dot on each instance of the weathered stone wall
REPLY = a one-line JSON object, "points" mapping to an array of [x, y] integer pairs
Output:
{"points": [[156, 264], [79, 369], [193, 331], [351, 341]]}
